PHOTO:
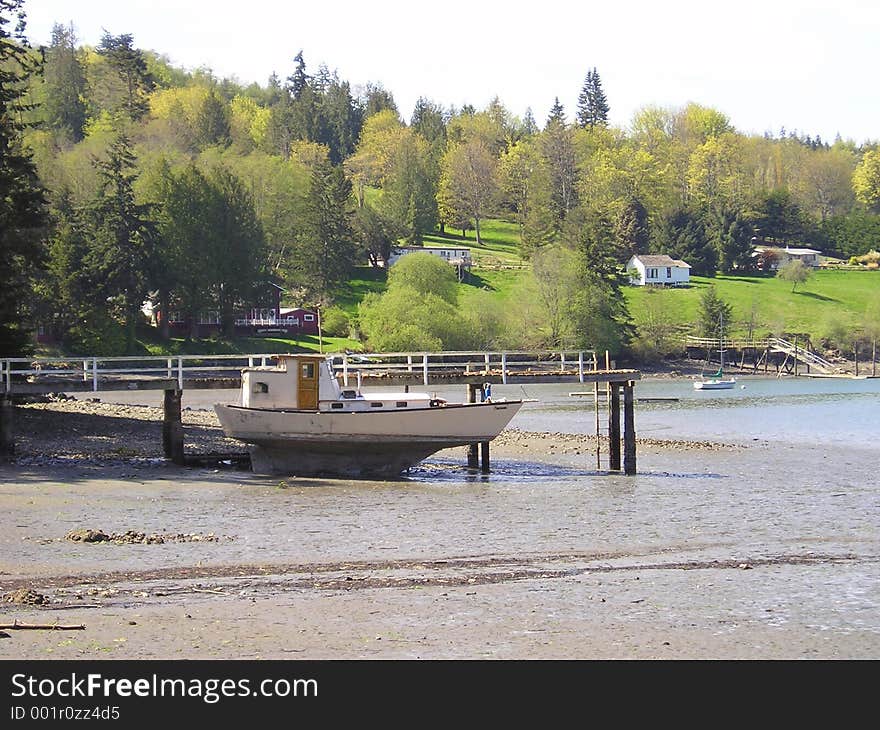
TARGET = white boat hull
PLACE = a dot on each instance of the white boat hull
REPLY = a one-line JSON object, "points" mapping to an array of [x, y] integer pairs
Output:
{"points": [[379, 444], [715, 384]]}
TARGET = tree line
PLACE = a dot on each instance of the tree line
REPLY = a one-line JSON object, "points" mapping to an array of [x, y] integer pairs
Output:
{"points": [[141, 180]]}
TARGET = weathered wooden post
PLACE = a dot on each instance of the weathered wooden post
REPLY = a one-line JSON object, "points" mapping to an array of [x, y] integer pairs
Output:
{"points": [[472, 456], [7, 437], [614, 426], [629, 429], [172, 427]]}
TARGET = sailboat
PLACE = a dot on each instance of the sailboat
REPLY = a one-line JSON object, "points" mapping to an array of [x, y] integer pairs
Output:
{"points": [[717, 381]]}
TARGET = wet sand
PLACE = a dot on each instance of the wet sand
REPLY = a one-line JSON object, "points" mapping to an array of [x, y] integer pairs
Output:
{"points": [[545, 559]]}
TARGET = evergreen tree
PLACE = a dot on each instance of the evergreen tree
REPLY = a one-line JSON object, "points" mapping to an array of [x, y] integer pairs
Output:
{"points": [[631, 228], [599, 310], [130, 66], [65, 81], [716, 315], [22, 205], [123, 237], [557, 114], [682, 235], [376, 99], [326, 249], [212, 122], [238, 245], [530, 127], [298, 80], [428, 120], [592, 110]]}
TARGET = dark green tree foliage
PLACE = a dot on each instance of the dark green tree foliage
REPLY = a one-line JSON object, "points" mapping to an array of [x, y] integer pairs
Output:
{"points": [[190, 244], [374, 234], [376, 99], [529, 126], [212, 122], [557, 114], [130, 66], [599, 310], [124, 237], [592, 109], [326, 249], [777, 217], [65, 83], [299, 79], [557, 146], [716, 315], [850, 235], [682, 235], [429, 120], [732, 235], [343, 120], [632, 229], [409, 201], [238, 247], [22, 205]]}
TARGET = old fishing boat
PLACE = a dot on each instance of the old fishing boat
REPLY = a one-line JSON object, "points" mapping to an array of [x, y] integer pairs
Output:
{"points": [[298, 419]]}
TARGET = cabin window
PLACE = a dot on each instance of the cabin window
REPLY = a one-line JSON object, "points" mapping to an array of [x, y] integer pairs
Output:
{"points": [[376, 404], [308, 371], [349, 394], [261, 388], [308, 317], [401, 404], [668, 272], [336, 405]]}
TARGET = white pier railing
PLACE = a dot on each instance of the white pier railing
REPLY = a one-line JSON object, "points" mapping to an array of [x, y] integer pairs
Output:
{"points": [[106, 373]]}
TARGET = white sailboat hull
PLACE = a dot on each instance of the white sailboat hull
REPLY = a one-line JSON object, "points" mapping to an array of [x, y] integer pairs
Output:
{"points": [[380, 443], [715, 384]]}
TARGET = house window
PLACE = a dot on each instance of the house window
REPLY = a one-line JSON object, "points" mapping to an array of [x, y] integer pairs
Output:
{"points": [[652, 273], [668, 272], [309, 317]]}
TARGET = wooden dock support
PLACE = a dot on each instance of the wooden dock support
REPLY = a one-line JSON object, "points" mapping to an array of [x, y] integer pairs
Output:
{"points": [[484, 457], [172, 427], [7, 433], [472, 449], [614, 426], [629, 430]]}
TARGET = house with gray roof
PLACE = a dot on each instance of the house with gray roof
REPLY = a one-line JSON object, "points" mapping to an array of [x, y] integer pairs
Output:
{"points": [[658, 270]]}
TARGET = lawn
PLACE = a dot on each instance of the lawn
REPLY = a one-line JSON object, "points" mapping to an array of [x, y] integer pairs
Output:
{"points": [[827, 297], [499, 243]]}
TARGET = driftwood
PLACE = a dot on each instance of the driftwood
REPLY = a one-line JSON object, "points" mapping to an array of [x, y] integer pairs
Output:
{"points": [[43, 627]]}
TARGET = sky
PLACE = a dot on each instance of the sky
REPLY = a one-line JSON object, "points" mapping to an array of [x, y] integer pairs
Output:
{"points": [[805, 66]]}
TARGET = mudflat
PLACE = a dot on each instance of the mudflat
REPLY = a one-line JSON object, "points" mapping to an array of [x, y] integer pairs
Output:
{"points": [[547, 557]]}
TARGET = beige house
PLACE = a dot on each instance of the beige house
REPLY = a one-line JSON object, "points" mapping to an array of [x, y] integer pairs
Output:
{"points": [[782, 256]]}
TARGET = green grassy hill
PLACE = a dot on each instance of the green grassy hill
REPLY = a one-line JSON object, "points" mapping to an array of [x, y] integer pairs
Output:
{"points": [[828, 298]]}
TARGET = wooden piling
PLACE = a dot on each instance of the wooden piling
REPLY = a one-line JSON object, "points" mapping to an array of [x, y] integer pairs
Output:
{"points": [[614, 427], [172, 427], [484, 457], [7, 433], [472, 454], [629, 429]]}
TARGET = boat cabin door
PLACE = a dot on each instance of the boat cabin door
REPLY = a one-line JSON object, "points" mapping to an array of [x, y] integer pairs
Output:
{"points": [[307, 386]]}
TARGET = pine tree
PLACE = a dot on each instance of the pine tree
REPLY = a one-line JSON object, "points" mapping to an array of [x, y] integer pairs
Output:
{"points": [[123, 237], [65, 80], [530, 127], [212, 122], [130, 66], [593, 107], [557, 114], [22, 205]]}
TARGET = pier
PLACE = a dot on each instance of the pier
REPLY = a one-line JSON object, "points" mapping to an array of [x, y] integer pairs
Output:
{"points": [[478, 371]]}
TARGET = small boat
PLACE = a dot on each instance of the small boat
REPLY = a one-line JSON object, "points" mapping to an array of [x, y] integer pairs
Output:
{"points": [[717, 381], [299, 420]]}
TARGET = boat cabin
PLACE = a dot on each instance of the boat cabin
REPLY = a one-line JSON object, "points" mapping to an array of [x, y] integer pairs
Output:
{"points": [[307, 382]]}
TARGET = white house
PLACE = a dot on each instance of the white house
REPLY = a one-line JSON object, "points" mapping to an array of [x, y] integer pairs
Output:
{"points": [[780, 256], [455, 255], [657, 270]]}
